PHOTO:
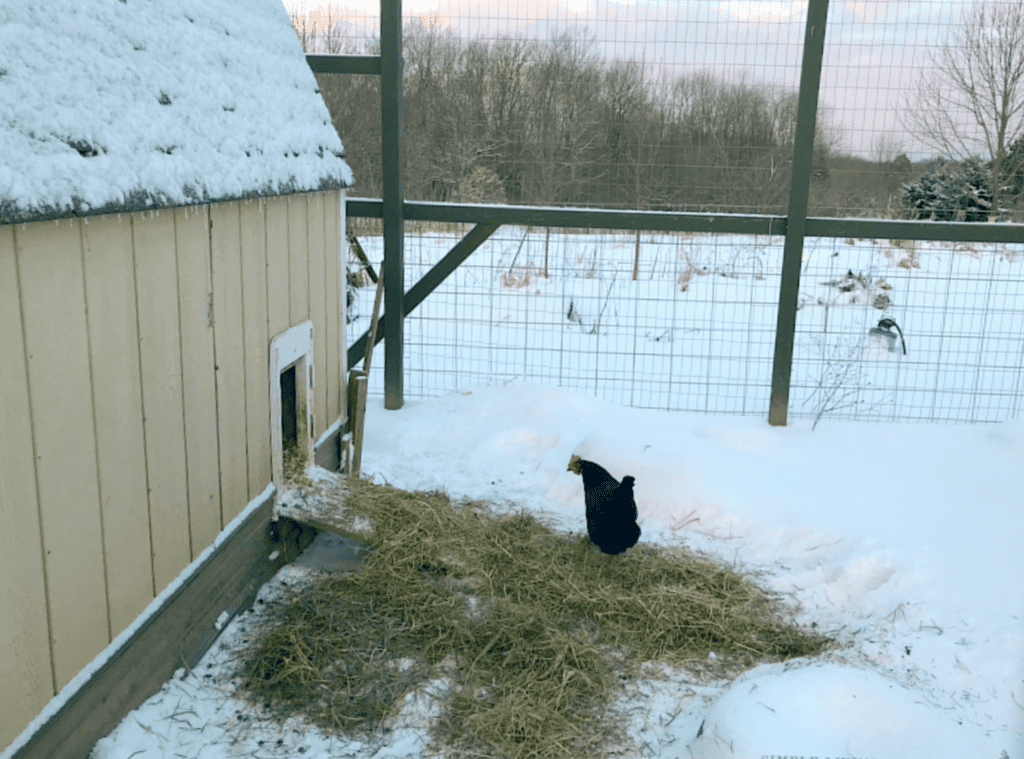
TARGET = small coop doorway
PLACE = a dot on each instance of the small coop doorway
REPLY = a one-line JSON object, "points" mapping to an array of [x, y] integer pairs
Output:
{"points": [[291, 398]]}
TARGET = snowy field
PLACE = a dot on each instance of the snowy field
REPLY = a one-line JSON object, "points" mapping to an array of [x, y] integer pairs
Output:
{"points": [[696, 330], [912, 560]]}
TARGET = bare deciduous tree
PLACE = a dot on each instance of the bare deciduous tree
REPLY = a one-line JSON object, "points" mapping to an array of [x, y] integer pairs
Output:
{"points": [[554, 121], [885, 147], [973, 94]]}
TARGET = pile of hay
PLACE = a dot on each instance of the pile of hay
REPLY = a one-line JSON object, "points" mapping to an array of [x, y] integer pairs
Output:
{"points": [[534, 628]]}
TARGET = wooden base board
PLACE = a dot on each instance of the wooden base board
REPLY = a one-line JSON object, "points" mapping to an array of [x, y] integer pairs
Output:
{"points": [[178, 632]]}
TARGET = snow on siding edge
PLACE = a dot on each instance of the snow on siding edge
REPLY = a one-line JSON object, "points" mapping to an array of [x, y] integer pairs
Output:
{"points": [[12, 213]]}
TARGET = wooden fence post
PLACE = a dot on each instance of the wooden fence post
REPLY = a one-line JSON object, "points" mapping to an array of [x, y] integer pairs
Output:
{"points": [[392, 153], [796, 217]]}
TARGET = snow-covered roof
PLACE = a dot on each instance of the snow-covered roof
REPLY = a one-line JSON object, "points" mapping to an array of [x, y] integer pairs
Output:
{"points": [[111, 105]]}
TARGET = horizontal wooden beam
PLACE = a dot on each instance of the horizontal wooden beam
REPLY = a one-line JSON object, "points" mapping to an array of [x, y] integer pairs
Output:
{"points": [[343, 64], [569, 218], [593, 218], [175, 630], [893, 229]]}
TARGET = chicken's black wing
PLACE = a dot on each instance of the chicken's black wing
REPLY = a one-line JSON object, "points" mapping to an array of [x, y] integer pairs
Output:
{"points": [[610, 507]]}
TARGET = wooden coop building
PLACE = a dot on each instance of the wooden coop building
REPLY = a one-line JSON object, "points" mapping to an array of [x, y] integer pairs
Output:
{"points": [[172, 309]]}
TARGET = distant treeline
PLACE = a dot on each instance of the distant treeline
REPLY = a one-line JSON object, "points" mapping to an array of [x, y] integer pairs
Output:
{"points": [[552, 122]]}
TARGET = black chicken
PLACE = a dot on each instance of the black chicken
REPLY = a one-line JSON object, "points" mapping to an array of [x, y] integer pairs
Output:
{"points": [[611, 510]]}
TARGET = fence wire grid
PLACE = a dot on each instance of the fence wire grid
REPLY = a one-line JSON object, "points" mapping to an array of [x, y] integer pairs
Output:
{"points": [[695, 330], [692, 107]]}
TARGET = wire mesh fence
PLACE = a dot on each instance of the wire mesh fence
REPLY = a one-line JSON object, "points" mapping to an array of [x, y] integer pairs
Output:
{"points": [[926, 97], [692, 107], [693, 330], [910, 331], [888, 330], [643, 106]]}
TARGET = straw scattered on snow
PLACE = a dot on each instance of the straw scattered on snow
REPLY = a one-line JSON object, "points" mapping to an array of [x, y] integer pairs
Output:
{"points": [[535, 629]]}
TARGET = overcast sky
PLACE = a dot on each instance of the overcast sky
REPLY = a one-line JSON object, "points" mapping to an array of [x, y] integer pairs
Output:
{"points": [[874, 51]]}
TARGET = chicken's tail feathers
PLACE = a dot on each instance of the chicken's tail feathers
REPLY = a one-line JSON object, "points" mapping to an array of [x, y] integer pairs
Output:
{"points": [[574, 464]]}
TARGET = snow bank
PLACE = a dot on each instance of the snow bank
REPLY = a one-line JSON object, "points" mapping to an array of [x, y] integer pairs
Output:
{"points": [[110, 106], [825, 710]]}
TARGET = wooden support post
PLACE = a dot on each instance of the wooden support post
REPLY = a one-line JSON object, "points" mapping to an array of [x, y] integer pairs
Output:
{"points": [[393, 214], [636, 257], [547, 241], [796, 218], [374, 323], [357, 409], [358, 382]]}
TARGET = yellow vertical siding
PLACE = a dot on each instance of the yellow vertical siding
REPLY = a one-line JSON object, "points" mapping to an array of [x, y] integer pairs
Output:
{"points": [[298, 258], [255, 271], [196, 308], [334, 358], [156, 281], [228, 340], [53, 309], [278, 270], [24, 647], [117, 395], [318, 309], [123, 409]]}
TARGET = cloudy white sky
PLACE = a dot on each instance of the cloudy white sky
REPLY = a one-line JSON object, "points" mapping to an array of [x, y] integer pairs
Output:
{"points": [[875, 49]]}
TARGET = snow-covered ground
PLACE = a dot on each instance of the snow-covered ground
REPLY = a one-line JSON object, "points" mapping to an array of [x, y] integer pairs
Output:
{"points": [[908, 552]]}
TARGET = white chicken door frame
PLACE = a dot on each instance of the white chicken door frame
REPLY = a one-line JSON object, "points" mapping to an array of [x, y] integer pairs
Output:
{"points": [[291, 350]]}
